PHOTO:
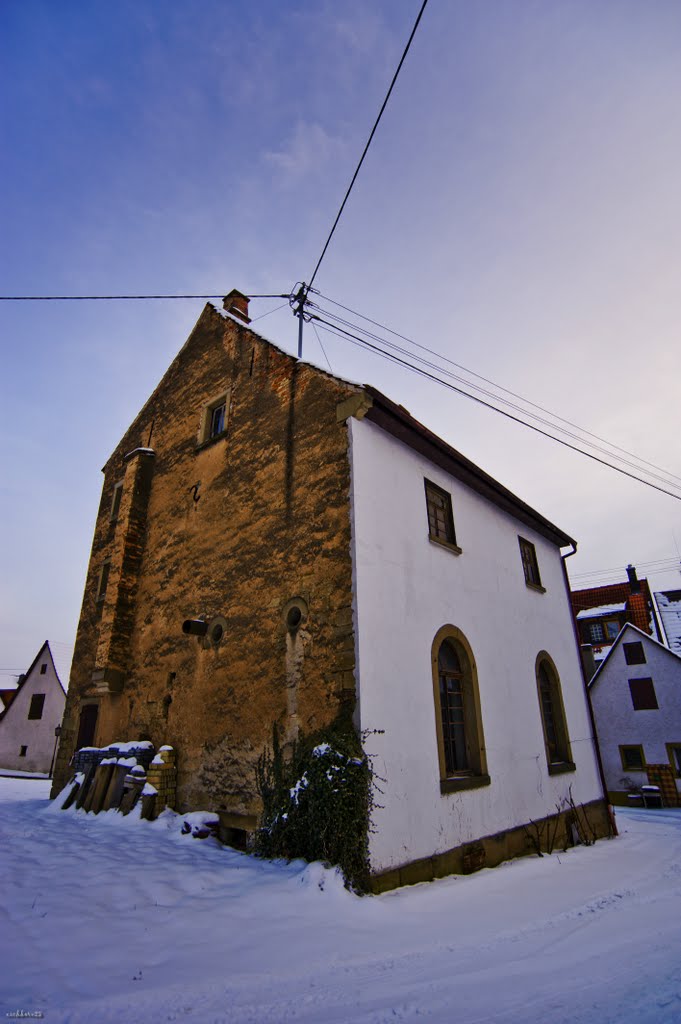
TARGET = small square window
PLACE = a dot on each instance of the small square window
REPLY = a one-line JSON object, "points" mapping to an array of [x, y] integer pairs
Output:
{"points": [[596, 632], [528, 555], [214, 418], [643, 695], [22, 751], [43, 670], [37, 703], [634, 653], [116, 501], [633, 759], [440, 516]]}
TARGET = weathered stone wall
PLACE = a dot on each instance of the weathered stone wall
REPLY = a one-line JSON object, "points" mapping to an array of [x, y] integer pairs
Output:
{"points": [[235, 527]]}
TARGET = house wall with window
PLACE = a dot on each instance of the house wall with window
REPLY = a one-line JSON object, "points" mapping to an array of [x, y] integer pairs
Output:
{"points": [[413, 591], [27, 725], [636, 697]]}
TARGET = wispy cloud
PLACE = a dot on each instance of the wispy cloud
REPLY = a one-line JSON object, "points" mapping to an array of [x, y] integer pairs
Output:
{"points": [[306, 153]]}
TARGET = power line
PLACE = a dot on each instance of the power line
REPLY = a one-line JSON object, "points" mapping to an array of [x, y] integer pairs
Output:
{"points": [[366, 148], [314, 328], [499, 387], [110, 298], [655, 566], [354, 339], [498, 398]]}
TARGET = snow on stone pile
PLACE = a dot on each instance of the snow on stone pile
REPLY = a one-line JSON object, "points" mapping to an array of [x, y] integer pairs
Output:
{"points": [[109, 918]]}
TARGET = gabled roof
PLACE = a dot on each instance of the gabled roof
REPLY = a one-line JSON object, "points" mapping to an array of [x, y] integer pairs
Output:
{"points": [[23, 679], [396, 420], [628, 626]]}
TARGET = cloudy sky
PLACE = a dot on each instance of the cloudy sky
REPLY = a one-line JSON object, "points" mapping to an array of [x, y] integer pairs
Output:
{"points": [[519, 212]]}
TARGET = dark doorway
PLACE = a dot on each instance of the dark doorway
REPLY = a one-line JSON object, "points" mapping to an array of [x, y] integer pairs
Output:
{"points": [[87, 726]]}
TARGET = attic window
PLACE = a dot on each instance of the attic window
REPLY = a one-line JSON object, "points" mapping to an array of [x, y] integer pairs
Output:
{"points": [[643, 695], [634, 653], [43, 669], [528, 555], [440, 516], [35, 710], [214, 419]]}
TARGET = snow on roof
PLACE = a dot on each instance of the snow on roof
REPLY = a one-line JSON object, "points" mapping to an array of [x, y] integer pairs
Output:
{"points": [[603, 609], [669, 608]]}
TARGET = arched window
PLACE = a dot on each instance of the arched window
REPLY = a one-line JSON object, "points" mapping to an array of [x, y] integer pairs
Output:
{"points": [[457, 710], [556, 737]]}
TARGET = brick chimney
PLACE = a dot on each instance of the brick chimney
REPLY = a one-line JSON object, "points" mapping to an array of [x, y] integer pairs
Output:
{"points": [[634, 584], [236, 303]]}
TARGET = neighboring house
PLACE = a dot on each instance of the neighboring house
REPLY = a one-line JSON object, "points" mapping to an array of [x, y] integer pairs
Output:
{"points": [[636, 698], [28, 722], [601, 612], [274, 543], [669, 610]]}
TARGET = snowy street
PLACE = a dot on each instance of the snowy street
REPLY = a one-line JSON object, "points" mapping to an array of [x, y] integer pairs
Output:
{"points": [[108, 919]]}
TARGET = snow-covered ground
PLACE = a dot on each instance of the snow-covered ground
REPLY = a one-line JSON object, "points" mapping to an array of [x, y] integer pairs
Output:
{"points": [[107, 919]]}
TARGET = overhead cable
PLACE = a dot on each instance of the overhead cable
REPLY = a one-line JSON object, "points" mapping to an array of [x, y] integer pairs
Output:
{"points": [[363, 343], [499, 387], [512, 405], [109, 298], [366, 148]]}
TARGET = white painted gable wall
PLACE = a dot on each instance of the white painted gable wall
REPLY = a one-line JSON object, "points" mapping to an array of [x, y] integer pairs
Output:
{"points": [[616, 720], [406, 588]]}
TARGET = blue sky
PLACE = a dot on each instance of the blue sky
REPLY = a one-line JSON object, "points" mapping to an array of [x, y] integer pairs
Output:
{"points": [[519, 211]]}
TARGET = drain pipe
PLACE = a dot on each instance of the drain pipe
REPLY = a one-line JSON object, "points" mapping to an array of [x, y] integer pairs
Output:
{"points": [[585, 683]]}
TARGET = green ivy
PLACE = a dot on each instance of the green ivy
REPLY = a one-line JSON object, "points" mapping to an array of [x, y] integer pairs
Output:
{"points": [[317, 803]]}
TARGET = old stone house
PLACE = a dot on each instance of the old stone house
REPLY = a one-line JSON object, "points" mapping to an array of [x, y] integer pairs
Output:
{"points": [[29, 719], [274, 542]]}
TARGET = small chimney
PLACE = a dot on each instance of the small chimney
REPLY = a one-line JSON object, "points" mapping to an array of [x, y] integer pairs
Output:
{"points": [[236, 303], [634, 584]]}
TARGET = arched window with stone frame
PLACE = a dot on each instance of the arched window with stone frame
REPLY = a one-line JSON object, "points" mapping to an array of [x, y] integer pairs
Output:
{"points": [[554, 725], [460, 740]]}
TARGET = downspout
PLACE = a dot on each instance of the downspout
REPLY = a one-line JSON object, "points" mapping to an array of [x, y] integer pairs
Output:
{"points": [[585, 683]]}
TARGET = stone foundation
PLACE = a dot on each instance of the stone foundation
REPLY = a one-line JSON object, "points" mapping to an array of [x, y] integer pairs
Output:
{"points": [[489, 851]]}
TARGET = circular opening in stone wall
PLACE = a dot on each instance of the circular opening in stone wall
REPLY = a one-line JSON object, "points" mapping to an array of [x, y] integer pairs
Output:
{"points": [[294, 616], [216, 633]]}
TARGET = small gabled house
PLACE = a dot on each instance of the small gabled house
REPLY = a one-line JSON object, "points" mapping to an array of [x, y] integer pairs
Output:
{"points": [[275, 544], [636, 699], [29, 720]]}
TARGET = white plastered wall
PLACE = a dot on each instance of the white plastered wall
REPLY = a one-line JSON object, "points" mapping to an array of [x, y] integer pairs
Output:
{"points": [[37, 735], [406, 589], [618, 723]]}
